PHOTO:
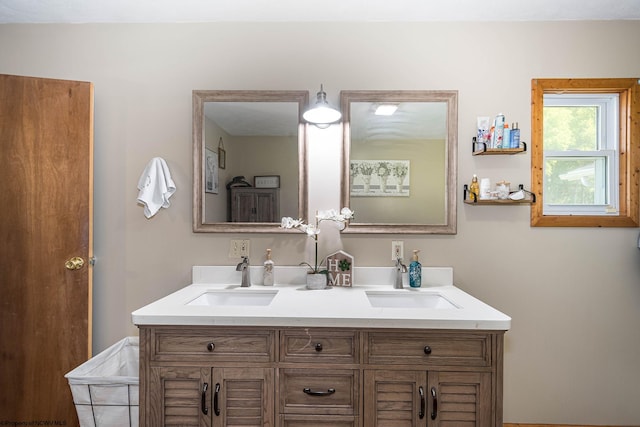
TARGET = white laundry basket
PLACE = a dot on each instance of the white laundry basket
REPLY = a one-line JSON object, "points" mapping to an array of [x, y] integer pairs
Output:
{"points": [[105, 387]]}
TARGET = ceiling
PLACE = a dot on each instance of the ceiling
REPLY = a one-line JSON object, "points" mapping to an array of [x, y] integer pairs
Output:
{"points": [[166, 11]]}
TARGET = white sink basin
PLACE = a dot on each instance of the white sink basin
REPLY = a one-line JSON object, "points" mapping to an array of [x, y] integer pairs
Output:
{"points": [[408, 299], [239, 297]]}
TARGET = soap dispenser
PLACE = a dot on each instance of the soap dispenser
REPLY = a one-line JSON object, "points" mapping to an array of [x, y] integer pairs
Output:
{"points": [[267, 274], [415, 271]]}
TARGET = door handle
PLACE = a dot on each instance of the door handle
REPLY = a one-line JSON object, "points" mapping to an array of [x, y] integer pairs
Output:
{"points": [[434, 396], [75, 263], [216, 407], [203, 403], [422, 402]]}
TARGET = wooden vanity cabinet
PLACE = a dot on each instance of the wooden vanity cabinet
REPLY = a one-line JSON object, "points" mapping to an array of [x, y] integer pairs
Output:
{"points": [[250, 204], [340, 377], [433, 378]]}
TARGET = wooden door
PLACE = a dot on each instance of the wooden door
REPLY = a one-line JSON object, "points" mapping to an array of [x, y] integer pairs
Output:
{"points": [[243, 396], [459, 399], [395, 398], [180, 397], [46, 147]]}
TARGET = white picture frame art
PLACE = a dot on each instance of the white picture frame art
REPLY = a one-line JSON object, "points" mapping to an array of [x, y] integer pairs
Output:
{"points": [[211, 182], [380, 178]]}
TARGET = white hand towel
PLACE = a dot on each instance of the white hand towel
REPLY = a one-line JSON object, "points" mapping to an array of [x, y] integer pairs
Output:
{"points": [[156, 186]]}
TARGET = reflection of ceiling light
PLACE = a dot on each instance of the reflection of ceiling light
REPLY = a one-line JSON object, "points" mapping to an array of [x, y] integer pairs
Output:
{"points": [[322, 114], [386, 109]]}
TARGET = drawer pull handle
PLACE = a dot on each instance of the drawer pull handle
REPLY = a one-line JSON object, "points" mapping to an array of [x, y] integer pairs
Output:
{"points": [[211, 346], [216, 408], [319, 347], [423, 402], [319, 393], [203, 404], [427, 349], [434, 413]]}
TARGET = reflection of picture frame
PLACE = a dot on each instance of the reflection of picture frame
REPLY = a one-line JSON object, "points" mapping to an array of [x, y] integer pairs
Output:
{"points": [[380, 178], [222, 158], [266, 181], [211, 183]]}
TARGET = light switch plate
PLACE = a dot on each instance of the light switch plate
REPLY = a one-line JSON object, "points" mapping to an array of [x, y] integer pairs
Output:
{"points": [[239, 248], [397, 250]]}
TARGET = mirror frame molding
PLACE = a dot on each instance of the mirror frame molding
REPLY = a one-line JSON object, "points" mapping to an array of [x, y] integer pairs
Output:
{"points": [[202, 96], [451, 98]]}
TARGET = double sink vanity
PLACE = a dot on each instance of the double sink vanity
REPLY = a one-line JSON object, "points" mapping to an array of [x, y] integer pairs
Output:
{"points": [[216, 354]]}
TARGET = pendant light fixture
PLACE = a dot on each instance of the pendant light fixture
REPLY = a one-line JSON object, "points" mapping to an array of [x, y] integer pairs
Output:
{"points": [[322, 114]]}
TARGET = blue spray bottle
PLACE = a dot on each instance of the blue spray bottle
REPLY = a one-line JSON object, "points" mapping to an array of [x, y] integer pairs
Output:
{"points": [[415, 271]]}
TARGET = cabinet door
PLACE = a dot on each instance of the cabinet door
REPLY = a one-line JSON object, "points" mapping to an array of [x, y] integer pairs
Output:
{"points": [[243, 205], [395, 398], [267, 206], [460, 399], [243, 397], [178, 397]]}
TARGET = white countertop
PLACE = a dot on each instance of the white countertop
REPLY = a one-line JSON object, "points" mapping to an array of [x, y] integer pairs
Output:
{"points": [[294, 305]]}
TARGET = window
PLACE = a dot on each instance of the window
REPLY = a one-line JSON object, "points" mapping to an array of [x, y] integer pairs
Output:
{"points": [[585, 152]]}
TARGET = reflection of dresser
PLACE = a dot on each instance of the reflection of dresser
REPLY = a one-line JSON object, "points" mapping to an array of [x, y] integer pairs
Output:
{"points": [[250, 204]]}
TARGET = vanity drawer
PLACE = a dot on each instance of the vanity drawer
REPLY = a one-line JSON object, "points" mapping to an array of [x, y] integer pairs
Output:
{"points": [[319, 391], [428, 348], [318, 421], [311, 345], [227, 345]]}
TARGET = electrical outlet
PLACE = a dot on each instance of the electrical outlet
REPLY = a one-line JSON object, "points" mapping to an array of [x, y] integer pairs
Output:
{"points": [[239, 248], [397, 249]]}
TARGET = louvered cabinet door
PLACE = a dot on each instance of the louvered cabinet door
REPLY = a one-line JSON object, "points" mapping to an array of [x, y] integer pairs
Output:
{"points": [[459, 399], [394, 398], [243, 397], [179, 397]]}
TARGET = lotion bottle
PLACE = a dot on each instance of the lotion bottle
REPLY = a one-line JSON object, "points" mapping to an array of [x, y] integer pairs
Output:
{"points": [[267, 274], [415, 271]]}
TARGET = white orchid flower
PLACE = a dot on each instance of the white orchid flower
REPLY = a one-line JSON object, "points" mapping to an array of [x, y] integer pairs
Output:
{"points": [[311, 230], [346, 213]]}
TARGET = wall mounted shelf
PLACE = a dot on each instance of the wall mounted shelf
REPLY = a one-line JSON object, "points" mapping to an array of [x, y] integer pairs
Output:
{"points": [[481, 149], [471, 199]]}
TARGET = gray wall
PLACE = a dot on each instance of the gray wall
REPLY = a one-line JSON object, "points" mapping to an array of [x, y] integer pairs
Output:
{"points": [[573, 353]]}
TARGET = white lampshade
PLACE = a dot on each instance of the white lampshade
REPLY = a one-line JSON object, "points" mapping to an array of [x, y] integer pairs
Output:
{"points": [[322, 113]]}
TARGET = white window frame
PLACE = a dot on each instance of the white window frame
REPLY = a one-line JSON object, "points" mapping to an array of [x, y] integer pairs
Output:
{"points": [[608, 147]]}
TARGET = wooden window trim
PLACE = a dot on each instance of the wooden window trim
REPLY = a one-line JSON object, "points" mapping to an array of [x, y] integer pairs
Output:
{"points": [[629, 151]]}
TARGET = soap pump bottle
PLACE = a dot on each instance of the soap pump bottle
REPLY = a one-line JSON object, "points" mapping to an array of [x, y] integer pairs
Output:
{"points": [[415, 271], [267, 274], [474, 188]]}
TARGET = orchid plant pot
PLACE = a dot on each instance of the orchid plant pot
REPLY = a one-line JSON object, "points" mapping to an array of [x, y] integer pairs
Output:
{"points": [[317, 281]]}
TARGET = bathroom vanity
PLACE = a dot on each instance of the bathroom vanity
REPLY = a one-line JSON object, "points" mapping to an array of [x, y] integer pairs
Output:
{"points": [[214, 354]]}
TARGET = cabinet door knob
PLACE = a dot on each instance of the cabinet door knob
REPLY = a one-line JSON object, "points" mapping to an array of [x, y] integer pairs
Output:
{"points": [[427, 349], [211, 346], [319, 347]]}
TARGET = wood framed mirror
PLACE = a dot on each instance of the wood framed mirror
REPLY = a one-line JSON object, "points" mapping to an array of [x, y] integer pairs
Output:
{"points": [[239, 135], [399, 169]]}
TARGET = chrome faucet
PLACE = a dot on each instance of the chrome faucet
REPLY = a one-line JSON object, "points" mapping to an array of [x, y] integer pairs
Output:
{"points": [[400, 268], [244, 267]]}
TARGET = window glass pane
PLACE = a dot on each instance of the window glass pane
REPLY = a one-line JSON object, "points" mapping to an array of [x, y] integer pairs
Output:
{"points": [[570, 128], [575, 181]]}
